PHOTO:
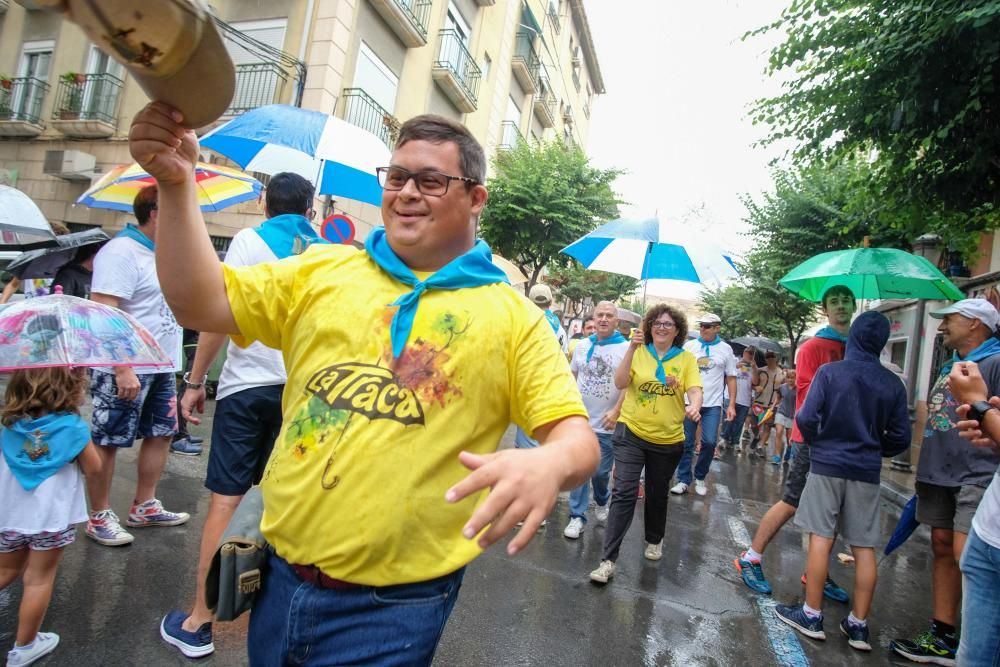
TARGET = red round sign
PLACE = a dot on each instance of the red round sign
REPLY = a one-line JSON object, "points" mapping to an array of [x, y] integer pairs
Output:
{"points": [[337, 228]]}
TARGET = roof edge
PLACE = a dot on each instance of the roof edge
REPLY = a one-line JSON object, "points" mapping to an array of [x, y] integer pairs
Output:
{"points": [[587, 42]]}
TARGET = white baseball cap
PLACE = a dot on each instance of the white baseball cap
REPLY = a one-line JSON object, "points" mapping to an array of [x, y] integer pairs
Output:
{"points": [[975, 309], [540, 294], [709, 318]]}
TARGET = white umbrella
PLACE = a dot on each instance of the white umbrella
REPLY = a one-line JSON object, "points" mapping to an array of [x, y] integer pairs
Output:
{"points": [[21, 221], [514, 274]]}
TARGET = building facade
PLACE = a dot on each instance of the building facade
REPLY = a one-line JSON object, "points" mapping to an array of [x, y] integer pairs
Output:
{"points": [[511, 70]]}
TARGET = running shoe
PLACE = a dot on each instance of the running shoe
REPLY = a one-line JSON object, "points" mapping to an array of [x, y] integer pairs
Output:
{"points": [[801, 621], [753, 574], [857, 635], [45, 643], [573, 528], [927, 648], [654, 551], [832, 591], [604, 571]]}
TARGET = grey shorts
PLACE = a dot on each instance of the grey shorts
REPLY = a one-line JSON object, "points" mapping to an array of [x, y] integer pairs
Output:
{"points": [[832, 506], [798, 471], [949, 507], [782, 420]]}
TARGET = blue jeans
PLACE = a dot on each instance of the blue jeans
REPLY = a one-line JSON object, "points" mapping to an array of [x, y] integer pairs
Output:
{"points": [[523, 441], [579, 498], [709, 431], [296, 623], [980, 644], [731, 431]]}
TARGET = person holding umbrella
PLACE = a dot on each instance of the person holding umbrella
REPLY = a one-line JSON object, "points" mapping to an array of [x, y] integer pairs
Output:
{"points": [[75, 277]]}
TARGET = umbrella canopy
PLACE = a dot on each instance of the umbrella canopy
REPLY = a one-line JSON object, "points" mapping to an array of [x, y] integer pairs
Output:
{"points": [[758, 342], [61, 330], [46, 262], [21, 221], [336, 156], [651, 249], [514, 274], [870, 273], [904, 527], [218, 187]]}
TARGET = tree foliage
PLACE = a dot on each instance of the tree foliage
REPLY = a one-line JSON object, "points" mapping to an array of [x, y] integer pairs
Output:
{"points": [[579, 287], [544, 196], [742, 312]]}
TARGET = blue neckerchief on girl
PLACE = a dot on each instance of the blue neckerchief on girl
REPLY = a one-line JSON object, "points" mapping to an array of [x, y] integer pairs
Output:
{"points": [[288, 234], [616, 337], [473, 269], [705, 345], [133, 232], [987, 348], [553, 320], [830, 333], [36, 449], [661, 375]]}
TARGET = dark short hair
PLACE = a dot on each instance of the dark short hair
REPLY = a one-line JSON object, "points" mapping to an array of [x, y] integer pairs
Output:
{"points": [[288, 193], [838, 290], [145, 203], [680, 322], [438, 130], [770, 354]]}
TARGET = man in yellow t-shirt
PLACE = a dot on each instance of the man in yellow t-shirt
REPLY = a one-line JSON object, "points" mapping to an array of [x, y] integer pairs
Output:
{"points": [[405, 364]]}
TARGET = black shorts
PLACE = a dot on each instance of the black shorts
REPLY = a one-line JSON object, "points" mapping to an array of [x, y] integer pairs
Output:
{"points": [[798, 472], [243, 434]]}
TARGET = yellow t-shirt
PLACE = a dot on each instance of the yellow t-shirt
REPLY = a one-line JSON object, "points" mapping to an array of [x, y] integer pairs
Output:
{"points": [[356, 482], [652, 410]]}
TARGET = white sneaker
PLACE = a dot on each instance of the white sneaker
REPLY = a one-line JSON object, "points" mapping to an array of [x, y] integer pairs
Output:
{"points": [[738, 449], [601, 514], [604, 571], [700, 487], [45, 643], [574, 528], [654, 551], [679, 488]]}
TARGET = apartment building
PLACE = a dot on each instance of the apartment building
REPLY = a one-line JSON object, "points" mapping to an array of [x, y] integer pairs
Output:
{"points": [[511, 70]]}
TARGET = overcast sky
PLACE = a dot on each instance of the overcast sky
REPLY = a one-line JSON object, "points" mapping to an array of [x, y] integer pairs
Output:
{"points": [[679, 81]]}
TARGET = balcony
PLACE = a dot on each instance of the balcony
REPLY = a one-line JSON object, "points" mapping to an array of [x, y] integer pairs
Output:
{"points": [[525, 62], [86, 105], [553, 15], [407, 18], [257, 85], [576, 78], [545, 104], [456, 72], [510, 136], [21, 106], [586, 109], [486, 3], [362, 110]]}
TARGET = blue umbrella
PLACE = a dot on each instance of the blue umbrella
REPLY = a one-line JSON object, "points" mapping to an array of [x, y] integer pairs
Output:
{"points": [[337, 157], [904, 527]]}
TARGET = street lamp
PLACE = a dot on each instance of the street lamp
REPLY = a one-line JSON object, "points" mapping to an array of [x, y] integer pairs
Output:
{"points": [[928, 246]]}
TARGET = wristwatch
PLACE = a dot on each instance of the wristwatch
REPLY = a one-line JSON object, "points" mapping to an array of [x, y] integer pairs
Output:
{"points": [[194, 385], [978, 410]]}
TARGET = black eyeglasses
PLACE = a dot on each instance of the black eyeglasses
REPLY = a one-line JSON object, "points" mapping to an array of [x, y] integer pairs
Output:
{"points": [[428, 182]]}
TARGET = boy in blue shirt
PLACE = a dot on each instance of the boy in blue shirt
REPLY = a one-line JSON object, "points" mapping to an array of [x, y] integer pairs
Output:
{"points": [[855, 414]]}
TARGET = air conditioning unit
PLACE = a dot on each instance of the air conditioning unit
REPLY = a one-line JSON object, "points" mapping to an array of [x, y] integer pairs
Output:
{"points": [[70, 165]]}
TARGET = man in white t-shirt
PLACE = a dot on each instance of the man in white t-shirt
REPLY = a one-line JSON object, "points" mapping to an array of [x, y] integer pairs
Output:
{"points": [[133, 402], [718, 370], [594, 362], [248, 401]]}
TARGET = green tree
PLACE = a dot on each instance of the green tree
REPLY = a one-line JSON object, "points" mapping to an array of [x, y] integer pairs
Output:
{"points": [[742, 311], [579, 287], [544, 196]]}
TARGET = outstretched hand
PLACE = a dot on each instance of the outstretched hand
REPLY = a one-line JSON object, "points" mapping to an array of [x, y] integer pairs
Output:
{"points": [[161, 145], [972, 430]]}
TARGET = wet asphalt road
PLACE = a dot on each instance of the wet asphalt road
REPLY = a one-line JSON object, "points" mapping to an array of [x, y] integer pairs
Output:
{"points": [[538, 608]]}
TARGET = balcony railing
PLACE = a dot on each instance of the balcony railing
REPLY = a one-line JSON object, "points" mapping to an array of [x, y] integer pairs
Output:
{"points": [[510, 136], [526, 62], [257, 85], [586, 109], [21, 99], [545, 104], [456, 71], [576, 78], [407, 18], [362, 110], [88, 97], [553, 15]]}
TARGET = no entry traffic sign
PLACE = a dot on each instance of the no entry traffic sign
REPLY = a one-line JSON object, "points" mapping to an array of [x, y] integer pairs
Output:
{"points": [[337, 228]]}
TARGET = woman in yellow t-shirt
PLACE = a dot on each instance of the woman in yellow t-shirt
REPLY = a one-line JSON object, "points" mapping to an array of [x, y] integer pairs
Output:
{"points": [[656, 375]]}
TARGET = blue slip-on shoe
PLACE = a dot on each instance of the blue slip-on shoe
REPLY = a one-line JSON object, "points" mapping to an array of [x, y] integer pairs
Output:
{"points": [[185, 447], [832, 591], [857, 635], [192, 644], [776, 460], [753, 574], [801, 621]]}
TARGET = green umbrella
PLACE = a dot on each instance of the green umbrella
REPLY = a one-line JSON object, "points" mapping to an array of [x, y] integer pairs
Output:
{"points": [[870, 273]]}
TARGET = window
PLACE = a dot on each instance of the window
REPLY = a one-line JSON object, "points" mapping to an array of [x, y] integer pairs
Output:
{"points": [[100, 95], [455, 21], [487, 61], [374, 77], [257, 78], [897, 353], [36, 61]]}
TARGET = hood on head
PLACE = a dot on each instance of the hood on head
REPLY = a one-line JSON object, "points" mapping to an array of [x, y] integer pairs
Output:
{"points": [[868, 335]]}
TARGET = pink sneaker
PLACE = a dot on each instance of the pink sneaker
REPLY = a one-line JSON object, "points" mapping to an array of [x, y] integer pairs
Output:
{"points": [[151, 513]]}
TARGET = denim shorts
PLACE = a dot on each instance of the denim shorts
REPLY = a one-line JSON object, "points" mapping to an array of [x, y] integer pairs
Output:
{"points": [[117, 422], [11, 540], [243, 434]]}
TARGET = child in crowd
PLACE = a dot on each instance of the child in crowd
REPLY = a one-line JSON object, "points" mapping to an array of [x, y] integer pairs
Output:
{"points": [[783, 417], [45, 445], [855, 414]]}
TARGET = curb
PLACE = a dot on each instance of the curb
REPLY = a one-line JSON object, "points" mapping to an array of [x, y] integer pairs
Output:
{"points": [[895, 494]]}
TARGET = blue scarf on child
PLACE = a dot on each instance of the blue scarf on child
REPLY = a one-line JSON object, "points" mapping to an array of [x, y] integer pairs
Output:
{"points": [[553, 320], [36, 449], [830, 333], [473, 269], [288, 234], [661, 375], [133, 232], [987, 348], [595, 342], [705, 345]]}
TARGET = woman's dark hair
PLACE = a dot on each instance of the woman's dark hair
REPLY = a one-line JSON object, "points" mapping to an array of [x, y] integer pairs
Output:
{"points": [[145, 203], [288, 193], [680, 323]]}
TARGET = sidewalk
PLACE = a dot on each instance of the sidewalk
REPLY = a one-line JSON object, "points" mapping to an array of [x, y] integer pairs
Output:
{"points": [[897, 486]]}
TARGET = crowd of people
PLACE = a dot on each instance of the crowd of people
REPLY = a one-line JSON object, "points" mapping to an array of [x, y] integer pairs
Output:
{"points": [[393, 372]]}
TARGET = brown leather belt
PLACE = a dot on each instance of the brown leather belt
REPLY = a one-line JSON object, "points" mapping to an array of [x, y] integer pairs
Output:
{"points": [[313, 575]]}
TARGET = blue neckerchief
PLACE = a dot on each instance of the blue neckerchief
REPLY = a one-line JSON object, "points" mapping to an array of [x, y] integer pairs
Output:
{"points": [[830, 333], [133, 232], [705, 352], [553, 320], [616, 337], [473, 269], [288, 234], [661, 375], [36, 449], [987, 348]]}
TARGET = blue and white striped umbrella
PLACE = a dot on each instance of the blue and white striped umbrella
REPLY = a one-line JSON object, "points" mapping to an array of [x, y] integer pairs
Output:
{"points": [[336, 156], [652, 249]]}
